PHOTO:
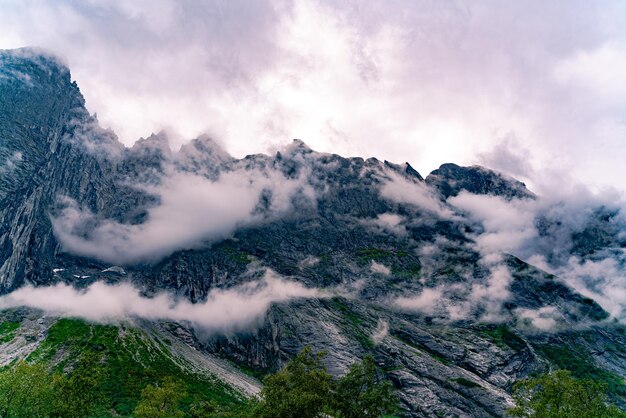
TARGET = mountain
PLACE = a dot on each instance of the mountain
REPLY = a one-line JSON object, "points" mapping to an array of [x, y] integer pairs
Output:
{"points": [[414, 271]]}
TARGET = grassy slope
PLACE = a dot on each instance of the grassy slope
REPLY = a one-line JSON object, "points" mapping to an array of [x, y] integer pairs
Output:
{"points": [[128, 361]]}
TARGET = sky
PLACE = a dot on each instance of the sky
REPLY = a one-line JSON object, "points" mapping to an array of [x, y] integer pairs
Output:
{"points": [[536, 89]]}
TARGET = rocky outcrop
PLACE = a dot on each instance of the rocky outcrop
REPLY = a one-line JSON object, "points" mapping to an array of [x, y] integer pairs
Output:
{"points": [[451, 179], [371, 231]]}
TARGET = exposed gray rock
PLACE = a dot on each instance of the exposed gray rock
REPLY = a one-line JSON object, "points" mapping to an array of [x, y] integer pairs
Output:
{"points": [[450, 179], [440, 367]]}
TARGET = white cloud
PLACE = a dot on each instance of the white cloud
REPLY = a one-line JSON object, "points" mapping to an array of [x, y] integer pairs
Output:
{"points": [[11, 162], [427, 301], [380, 268], [509, 156], [508, 225], [602, 280], [602, 71], [545, 318], [405, 80], [401, 190], [389, 222], [224, 309], [309, 261], [192, 210], [490, 296], [381, 331]]}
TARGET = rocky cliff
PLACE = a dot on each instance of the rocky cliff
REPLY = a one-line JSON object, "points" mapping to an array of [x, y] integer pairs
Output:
{"points": [[410, 273]]}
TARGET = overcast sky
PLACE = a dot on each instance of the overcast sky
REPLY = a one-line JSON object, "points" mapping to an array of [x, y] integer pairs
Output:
{"points": [[535, 88]]}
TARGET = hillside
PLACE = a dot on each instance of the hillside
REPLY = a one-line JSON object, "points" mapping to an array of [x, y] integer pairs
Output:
{"points": [[204, 265]]}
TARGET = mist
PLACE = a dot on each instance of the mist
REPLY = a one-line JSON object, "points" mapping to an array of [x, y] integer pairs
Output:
{"points": [[546, 232], [192, 211], [229, 309], [436, 81]]}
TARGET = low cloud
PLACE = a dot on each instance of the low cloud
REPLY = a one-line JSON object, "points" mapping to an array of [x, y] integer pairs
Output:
{"points": [[11, 162], [571, 232], [381, 331], [427, 301], [509, 157], [481, 300], [546, 318], [602, 280], [401, 190], [90, 137], [490, 296], [224, 309], [380, 268], [309, 261], [507, 224], [388, 222], [192, 210]]}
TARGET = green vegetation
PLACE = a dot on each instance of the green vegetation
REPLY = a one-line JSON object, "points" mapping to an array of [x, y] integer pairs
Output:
{"points": [[301, 389], [107, 368], [161, 400], [367, 254], [361, 394], [25, 391], [304, 389], [407, 272], [353, 323], [577, 360], [503, 337], [91, 370], [560, 395], [401, 263], [465, 382], [7, 331]]}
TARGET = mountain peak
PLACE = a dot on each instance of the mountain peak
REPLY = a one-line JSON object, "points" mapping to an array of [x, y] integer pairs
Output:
{"points": [[32, 54], [298, 146], [450, 179]]}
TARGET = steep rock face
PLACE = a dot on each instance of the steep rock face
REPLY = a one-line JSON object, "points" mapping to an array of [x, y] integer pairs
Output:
{"points": [[372, 231], [450, 179], [40, 110]]}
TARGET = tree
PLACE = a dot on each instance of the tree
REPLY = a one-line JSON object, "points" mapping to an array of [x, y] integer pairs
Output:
{"points": [[204, 409], [300, 390], [78, 394], [305, 389], [362, 394], [559, 395], [25, 391], [161, 401]]}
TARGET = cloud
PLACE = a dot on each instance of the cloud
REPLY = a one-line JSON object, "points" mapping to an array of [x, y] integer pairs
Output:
{"points": [[11, 162], [381, 331], [509, 156], [508, 225], [435, 82], [546, 318], [489, 297], [224, 309], [91, 138], [428, 300], [309, 261], [602, 280], [380, 268], [572, 232], [192, 211], [388, 222], [401, 190]]}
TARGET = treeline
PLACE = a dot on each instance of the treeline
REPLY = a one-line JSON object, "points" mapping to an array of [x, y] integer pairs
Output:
{"points": [[30, 390], [302, 389], [560, 395]]}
